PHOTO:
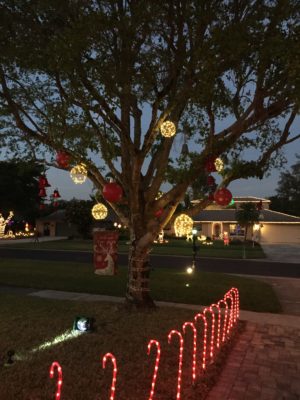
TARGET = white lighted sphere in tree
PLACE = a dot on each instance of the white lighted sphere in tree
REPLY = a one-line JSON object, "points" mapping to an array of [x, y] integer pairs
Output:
{"points": [[78, 174], [219, 164], [168, 129], [99, 211], [183, 225]]}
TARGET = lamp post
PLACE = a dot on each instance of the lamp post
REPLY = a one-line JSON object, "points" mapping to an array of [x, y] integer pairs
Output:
{"points": [[194, 232]]}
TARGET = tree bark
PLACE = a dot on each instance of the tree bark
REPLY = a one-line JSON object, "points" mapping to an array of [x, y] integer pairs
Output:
{"points": [[138, 279]]}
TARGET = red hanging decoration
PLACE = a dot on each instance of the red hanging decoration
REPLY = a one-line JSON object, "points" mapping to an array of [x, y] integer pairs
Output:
{"points": [[223, 197], [112, 192], [43, 182], [209, 164], [211, 180], [158, 212], [56, 194], [55, 204], [63, 159], [42, 192]]}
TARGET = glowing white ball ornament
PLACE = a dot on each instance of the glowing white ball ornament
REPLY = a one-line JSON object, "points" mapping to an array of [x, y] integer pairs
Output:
{"points": [[99, 211], [78, 174], [168, 129], [219, 164], [183, 225]]}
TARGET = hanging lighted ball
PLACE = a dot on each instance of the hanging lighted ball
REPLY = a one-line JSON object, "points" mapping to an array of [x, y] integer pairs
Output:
{"points": [[99, 211], [78, 174], [112, 192], [223, 197], [183, 225], [168, 129], [219, 164]]}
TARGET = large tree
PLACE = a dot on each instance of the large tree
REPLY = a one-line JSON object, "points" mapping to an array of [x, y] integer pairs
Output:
{"points": [[98, 78], [288, 191]]}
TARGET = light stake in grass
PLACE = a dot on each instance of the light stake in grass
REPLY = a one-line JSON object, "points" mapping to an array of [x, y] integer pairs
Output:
{"points": [[171, 333], [194, 367], [56, 365], [114, 379], [203, 318], [157, 344]]}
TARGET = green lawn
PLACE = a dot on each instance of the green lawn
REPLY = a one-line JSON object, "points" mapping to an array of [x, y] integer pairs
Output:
{"points": [[174, 247], [166, 284], [28, 323]]}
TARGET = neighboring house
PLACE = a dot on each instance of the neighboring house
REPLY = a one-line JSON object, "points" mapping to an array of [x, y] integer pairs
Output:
{"points": [[273, 226], [55, 224]]}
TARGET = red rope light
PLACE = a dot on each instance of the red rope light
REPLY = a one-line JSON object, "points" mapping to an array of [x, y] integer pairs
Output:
{"points": [[228, 296], [157, 359], [212, 333], [174, 332], [203, 318], [114, 378], [225, 319], [59, 382], [194, 367], [219, 323]]}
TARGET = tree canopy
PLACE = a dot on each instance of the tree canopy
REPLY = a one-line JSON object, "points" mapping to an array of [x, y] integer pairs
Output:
{"points": [[97, 80], [287, 199]]}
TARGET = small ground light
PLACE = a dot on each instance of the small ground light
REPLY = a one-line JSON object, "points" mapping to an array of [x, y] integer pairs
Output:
{"points": [[83, 324], [187, 285], [189, 270]]}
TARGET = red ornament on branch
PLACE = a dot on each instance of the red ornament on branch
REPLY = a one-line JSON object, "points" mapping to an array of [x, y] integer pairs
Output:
{"points": [[112, 192], [43, 182], [223, 197], [42, 192], [209, 164], [63, 159], [158, 212], [56, 194]]}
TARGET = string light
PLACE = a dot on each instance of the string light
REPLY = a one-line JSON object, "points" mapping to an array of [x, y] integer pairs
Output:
{"points": [[174, 332], [203, 318], [219, 322], [168, 129], [114, 378], [157, 359], [194, 368], [219, 164], [183, 225], [212, 331], [228, 296], [78, 174], [99, 211], [225, 319], [59, 382]]}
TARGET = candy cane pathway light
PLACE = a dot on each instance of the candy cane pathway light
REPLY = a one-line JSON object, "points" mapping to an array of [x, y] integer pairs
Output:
{"points": [[56, 365], [223, 337], [170, 335], [157, 359], [194, 365], [115, 371], [212, 331], [203, 319]]}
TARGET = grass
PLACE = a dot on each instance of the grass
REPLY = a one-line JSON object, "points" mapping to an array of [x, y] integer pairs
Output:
{"points": [[26, 323], [174, 247], [166, 284]]}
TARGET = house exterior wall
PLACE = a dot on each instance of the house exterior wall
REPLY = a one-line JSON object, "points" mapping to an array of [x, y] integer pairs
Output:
{"points": [[280, 233]]}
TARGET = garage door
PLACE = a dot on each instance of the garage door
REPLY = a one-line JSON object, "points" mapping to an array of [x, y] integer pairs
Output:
{"points": [[273, 233]]}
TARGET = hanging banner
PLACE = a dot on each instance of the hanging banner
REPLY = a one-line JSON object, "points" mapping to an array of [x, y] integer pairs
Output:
{"points": [[105, 252]]}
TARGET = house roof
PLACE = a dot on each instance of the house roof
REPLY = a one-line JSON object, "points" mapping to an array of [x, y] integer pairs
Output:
{"points": [[60, 216], [244, 199], [267, 216]]}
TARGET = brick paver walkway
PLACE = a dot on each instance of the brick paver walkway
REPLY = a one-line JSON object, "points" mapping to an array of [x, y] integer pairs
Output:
{"points": [[263, 365]]}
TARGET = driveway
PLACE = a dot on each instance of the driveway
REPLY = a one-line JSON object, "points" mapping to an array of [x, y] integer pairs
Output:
{"points": [[282, 252]]}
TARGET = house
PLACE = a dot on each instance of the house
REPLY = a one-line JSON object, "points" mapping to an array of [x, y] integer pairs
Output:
{"points": [[55, 224], [273, 226]]}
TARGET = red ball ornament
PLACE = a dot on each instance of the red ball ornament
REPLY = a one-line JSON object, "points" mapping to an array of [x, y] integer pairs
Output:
{"points": [[62, 159], [211, 180], [43, 182], [56, 194], [42, 192], [112, 192], [209, 164], [158, 212], [223, 197]]}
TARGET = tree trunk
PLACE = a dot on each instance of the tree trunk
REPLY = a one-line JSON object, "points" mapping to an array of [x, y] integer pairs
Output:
{"points": [[138, 280]]}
